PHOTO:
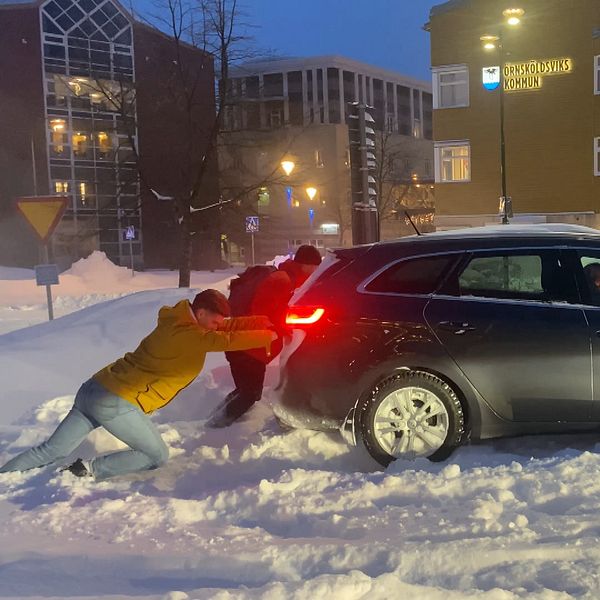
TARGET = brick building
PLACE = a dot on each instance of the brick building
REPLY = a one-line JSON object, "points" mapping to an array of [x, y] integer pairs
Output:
{"points": [[83, 85]]}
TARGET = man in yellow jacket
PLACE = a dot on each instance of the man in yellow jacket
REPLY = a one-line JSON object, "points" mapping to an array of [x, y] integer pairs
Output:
{"points": [[120, 396]]}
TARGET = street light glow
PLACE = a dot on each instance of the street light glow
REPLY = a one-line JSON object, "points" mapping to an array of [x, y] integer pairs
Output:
{"points": [[288, 166], [513, 15], [489, 41], [311, 192]]}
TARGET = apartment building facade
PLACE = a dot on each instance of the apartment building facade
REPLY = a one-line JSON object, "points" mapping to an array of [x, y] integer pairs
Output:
{"points": [[79, 117], [295, 110]]}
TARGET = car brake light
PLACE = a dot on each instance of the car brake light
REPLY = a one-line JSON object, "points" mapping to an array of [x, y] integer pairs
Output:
{"points": [[303, 315]]}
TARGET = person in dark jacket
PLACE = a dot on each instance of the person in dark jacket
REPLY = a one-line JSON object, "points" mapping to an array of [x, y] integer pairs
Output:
{"points": [[270, 299]]}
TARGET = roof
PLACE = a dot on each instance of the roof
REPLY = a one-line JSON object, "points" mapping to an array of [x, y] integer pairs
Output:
{"points": [[285, 64], [541, 230], [8, 3], [447, 6]]}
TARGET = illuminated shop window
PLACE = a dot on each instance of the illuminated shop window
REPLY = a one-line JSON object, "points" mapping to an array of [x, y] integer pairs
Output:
{"points": [[452, 162], [451, 86]]}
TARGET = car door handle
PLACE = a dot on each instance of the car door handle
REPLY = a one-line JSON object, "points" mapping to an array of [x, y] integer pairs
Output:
{"points": [[456, 327]]}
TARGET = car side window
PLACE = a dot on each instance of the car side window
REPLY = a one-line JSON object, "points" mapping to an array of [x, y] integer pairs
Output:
{"points": [[590, 264], [413, 276], [538, 276]]}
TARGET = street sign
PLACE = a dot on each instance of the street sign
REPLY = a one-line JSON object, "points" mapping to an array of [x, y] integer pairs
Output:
{"points": [[252, 225], [43, 213], [490, 77], [130, 232], [46, 274]]}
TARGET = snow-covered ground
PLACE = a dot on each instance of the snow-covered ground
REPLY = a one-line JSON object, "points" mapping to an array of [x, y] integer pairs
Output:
{"points": [[254, 512]]}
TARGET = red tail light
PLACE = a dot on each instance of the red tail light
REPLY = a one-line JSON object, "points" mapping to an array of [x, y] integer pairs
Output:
{"points": [[303, 315]]}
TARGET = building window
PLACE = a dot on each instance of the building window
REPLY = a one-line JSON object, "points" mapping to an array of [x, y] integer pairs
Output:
{"points": [[80, 144], [61, 187], [597, 157], [275, 118], [597, 74], [452, 162], [104, 142], [427, 167], [319, 159], [417, 128], [451, 86], [390, 123]]}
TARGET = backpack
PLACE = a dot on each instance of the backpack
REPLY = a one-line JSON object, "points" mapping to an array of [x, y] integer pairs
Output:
{"points": [[243, 288]]}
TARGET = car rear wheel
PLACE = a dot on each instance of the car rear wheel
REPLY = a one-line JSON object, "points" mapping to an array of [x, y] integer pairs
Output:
{"points": [[411, 414]]}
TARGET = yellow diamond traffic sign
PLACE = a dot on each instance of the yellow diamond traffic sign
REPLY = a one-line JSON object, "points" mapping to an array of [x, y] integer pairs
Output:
{"points": [[43, 213]]}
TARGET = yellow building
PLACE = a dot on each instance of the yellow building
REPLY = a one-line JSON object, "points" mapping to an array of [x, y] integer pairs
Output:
{"points": [[546, 64]]}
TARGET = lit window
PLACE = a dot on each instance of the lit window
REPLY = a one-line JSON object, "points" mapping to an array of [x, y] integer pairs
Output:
{"points": [[451, 86], [61, 187], [104, 142], [452, 162], [597, 157], [80, 143], [82, 193], [597, 74], [319, 159], [57, 127]]}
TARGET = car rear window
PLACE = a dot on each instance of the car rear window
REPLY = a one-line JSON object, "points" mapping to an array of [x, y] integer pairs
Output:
{"points": [[412, 276]]}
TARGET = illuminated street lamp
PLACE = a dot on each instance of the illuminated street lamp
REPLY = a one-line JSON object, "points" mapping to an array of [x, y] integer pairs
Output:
{"points": [[512, 17], [288, 166], [311, 192]]}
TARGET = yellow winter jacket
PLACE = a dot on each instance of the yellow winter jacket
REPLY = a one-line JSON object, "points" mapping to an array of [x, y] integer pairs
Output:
{"points": [[172, 356]]}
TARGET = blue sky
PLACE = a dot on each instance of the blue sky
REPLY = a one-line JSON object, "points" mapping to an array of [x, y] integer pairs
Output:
{"points": [[385, 33]]}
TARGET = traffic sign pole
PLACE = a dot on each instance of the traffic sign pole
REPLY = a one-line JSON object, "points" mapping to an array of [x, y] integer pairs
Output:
{"points": [[48, 287], [252, 227], [43, 214]]}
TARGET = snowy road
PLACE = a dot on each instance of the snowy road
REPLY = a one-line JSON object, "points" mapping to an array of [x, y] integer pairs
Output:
{"points": [[254, 512]]}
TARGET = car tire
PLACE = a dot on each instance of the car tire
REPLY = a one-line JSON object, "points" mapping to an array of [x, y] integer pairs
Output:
{"points": [[411, 414]]}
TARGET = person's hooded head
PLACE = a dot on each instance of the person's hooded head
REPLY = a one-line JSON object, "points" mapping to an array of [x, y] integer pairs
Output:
{"points": [[308, 256]]}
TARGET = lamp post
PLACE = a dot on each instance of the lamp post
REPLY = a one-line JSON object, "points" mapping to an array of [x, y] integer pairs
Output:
{"points": [[512, 18]]}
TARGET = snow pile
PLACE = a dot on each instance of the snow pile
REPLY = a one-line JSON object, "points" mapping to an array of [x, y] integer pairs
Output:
{"points": [[89, 281], [99, 269], [280, 258]]}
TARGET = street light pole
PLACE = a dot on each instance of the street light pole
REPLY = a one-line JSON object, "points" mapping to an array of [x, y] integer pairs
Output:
{"points": [[512, 18], [504, 204]]}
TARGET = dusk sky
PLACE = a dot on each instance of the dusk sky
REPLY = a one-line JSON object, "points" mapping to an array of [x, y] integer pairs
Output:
{"points": [[385, 33]]}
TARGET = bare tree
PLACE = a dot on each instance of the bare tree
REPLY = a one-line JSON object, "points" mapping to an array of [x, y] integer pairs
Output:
{"points": [[400, 190]]}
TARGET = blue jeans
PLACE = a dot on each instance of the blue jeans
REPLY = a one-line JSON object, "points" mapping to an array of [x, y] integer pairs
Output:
{"points": [[94, 407]]}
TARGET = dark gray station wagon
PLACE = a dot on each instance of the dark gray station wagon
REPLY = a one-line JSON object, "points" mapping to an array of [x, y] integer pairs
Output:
{"points": [[419, 344]]}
